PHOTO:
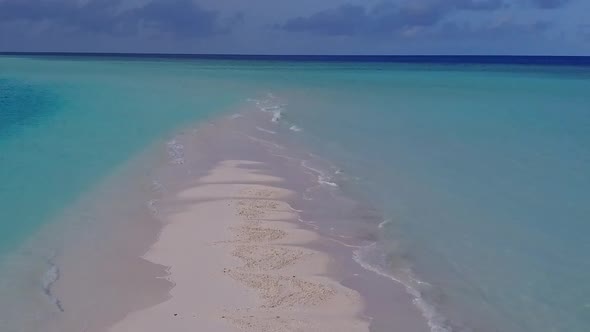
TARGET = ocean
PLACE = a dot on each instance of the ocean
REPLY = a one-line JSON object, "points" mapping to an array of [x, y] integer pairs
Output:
{"points": [[478, 167]]}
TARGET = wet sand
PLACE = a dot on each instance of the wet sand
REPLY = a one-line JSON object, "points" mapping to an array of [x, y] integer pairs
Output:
{"points": [[231, 229]]}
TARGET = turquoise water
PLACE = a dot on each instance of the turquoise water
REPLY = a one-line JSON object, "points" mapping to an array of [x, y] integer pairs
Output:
{"points": [[484, 177], [481, 171], [66, 124]]}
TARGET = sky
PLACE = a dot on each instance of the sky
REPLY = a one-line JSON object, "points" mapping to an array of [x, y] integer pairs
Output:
{"points": [[513, 27]]}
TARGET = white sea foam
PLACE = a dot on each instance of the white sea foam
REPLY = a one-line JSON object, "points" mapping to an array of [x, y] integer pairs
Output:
{"points": [[235, 116], [306, 166], [384, 223], [323, 178], [265, 142], [156, 186], [276, 116], [265, 130], [151, 205], [271, 108], [175, 152], [309, 223], [295, 128], [284, 156], [436, 322], [270, 105]]}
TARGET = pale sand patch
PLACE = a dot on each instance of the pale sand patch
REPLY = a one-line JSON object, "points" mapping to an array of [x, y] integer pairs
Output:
{"points": [[263, 257], [237, 262], [229, 172]]}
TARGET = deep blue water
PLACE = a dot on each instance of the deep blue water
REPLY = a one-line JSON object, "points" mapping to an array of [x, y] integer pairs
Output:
{"points": [[21, 104], [420, 59]]}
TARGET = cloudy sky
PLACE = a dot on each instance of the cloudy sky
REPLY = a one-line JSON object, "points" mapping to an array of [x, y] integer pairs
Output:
{"points": [[560, 27]]}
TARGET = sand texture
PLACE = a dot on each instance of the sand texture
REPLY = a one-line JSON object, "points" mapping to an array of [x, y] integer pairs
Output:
{"points": [[239, 262]]}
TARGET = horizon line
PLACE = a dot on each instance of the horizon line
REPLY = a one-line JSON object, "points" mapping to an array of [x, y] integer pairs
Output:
{"points": [[299, 55], [445, 59]]}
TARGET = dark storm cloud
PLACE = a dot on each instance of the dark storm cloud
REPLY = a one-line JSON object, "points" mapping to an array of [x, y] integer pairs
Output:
{"points": [[492, 31], [386, 17], [182, 18], [94, 16], [344, 20], [328, 26], [179, 18], [550, 4]]}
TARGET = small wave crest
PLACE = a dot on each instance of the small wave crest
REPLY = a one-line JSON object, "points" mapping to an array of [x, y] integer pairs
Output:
{"points": [[271, 104], [276, 116], [435, 321], [309, 223], [295, 128], [156, 186], [265, 130], [325, 181], [384, 223], [322, 177], [175, 152], [151, 205]]}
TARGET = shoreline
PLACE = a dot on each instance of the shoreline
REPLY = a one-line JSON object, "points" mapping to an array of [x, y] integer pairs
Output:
{"points": [[417, 175], [140, 277], [248, 269]]}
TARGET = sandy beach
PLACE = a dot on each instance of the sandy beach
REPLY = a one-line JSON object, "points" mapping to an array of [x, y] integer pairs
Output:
{"points": [[239, 263], [223, 227]]}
